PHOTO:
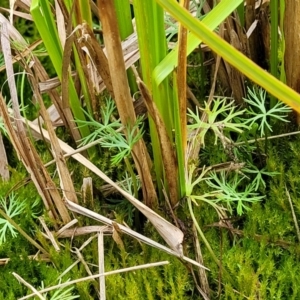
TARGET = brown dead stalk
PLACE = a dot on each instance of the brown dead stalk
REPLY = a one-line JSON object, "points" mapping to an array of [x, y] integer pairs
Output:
{"points": [[23, 146], [122, 94]]}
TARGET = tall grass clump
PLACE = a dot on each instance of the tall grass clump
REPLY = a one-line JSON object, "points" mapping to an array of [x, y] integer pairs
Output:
{"points": [[207, 179]]}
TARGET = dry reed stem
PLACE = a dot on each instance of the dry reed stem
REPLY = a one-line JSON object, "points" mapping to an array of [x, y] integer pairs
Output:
{"points": [[268, 138], [167, 150], [66, 182], [170, 233], [35, 292], [293, 213], [49, 234], [62, 285], [86, 212], [101, 265], [122, 95], [78, 231], [86, 243], [130, 52], [182, 78], [68, 269], [40, 257], [82, 260], [65, 113], [65, 227], [23, 146]]}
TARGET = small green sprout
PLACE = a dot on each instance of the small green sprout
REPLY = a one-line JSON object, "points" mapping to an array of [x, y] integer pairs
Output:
{"points": [[99, 129], [61, 293], [258, 180], [221, 109], [229, 191], [12, 208], [123, 142], [259, 113]]}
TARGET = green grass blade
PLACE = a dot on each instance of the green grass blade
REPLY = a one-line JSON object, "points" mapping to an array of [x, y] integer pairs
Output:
{"points": [[212, 20], [170, 62], [122, 8], [42, 16], [153, 48], [234, 57], [86, 12], [41, 13], [241, 13]]}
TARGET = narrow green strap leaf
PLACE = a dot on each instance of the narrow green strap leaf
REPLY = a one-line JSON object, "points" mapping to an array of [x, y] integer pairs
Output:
{"points": [[232, 56], [44, 21], [218, 14]]}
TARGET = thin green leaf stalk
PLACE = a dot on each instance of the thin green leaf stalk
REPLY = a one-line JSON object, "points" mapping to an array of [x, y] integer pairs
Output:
{"points": [[202, 234], [85, 10], [149, 18]]}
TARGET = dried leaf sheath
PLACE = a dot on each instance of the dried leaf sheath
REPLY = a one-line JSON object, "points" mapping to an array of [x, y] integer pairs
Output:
{"points": [[168, 155], [170, 233], [24, 147], [122, 94]]}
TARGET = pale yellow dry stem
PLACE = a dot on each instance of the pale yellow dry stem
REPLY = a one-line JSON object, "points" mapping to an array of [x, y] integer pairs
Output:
{"points": [[62, 285], [40, 257], [101, 265], [293, 213], [49, 234], [82, 260], [60, 23], [23, 145], [66, 182], [199, 258], [65, 113], [176, 252], [78, 231], [65, 227], [35, 291], [66, 271]]}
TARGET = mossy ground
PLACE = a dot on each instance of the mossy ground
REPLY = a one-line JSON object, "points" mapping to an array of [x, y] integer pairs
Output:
{"points": [[261, 262]]}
